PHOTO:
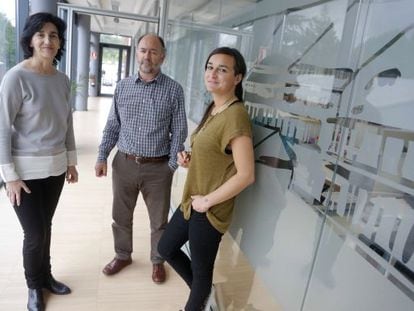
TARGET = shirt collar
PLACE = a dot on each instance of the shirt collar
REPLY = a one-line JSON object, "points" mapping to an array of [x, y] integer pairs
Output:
{"points": [[158, 78]]}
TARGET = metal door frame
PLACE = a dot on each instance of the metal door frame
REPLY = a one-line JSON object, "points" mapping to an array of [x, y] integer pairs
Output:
{"points": [[67, 12], [120, 49]]}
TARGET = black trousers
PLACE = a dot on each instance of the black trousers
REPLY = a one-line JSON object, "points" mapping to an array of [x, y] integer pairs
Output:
{"points": [[204, 242], [35, 214]]}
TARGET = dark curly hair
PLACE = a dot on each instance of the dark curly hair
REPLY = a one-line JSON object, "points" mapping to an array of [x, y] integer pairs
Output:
{"points": [[35, 23]]}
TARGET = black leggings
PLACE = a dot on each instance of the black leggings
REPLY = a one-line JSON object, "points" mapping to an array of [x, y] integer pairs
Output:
{"points": [[204, 242], [35, 214]]}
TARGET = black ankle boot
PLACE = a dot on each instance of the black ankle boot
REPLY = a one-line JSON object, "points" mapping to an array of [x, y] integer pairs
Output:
{"points": [[56, 287], [35, 301]]}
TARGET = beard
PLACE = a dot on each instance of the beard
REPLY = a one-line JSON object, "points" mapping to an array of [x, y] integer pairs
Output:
{"points": [[147, 67]]}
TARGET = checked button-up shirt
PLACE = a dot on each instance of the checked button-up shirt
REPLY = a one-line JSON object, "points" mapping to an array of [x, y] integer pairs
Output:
{"points": [[146, 119]]}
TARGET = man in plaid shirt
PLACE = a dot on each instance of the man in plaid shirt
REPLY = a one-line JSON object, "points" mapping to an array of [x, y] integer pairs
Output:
{"points": [[147, 123]]}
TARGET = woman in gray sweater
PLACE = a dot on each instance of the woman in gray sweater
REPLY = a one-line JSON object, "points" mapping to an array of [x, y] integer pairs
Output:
{"points": [[37, 146]]}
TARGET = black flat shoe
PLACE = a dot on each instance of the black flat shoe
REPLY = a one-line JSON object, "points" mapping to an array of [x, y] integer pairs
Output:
{"points": [[56, 287], [35, 301]]}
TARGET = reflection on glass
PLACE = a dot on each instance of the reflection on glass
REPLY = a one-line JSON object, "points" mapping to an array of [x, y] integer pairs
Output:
{"points": [[329, 91], [344, 127], [189, 48], [373, 193], [303, 91]]}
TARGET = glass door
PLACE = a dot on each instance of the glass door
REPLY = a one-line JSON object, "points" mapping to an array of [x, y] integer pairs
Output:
{"points": [[113, 67]]}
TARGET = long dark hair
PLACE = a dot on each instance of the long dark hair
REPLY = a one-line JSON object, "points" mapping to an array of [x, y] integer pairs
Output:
{"points": [[35, 23], [239, 68]]}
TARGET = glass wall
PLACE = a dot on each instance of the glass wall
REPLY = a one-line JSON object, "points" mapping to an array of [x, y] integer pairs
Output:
{"points": [[7, 36], [369, 235], [292, 91], [329, 222], [188, 48]]}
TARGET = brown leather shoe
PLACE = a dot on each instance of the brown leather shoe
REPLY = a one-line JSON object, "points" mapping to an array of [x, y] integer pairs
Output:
{"points": [[158, 273], [116, 265]]}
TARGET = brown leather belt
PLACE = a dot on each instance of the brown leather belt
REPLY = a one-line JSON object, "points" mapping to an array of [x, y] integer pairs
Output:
{"points": [[142, 160]]}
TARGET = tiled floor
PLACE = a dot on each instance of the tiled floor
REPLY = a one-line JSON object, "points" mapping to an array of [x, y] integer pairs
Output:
{"points": [[82, 245]]}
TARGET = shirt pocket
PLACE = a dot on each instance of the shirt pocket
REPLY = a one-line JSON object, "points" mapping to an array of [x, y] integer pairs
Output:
{"points": [[160, 111]]}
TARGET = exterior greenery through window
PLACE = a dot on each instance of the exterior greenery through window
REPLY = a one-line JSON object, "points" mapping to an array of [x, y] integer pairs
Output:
{"points": [[8, 46]]}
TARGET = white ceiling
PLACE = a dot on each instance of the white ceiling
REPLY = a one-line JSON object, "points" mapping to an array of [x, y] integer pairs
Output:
{"points": [[209, 12]]}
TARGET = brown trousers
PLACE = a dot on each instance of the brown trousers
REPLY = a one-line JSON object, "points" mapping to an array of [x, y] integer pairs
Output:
{"points": [[129, 178]]}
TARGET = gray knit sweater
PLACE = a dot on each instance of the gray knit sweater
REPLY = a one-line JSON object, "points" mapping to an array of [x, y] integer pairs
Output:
{"points": [[36, 129]]}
